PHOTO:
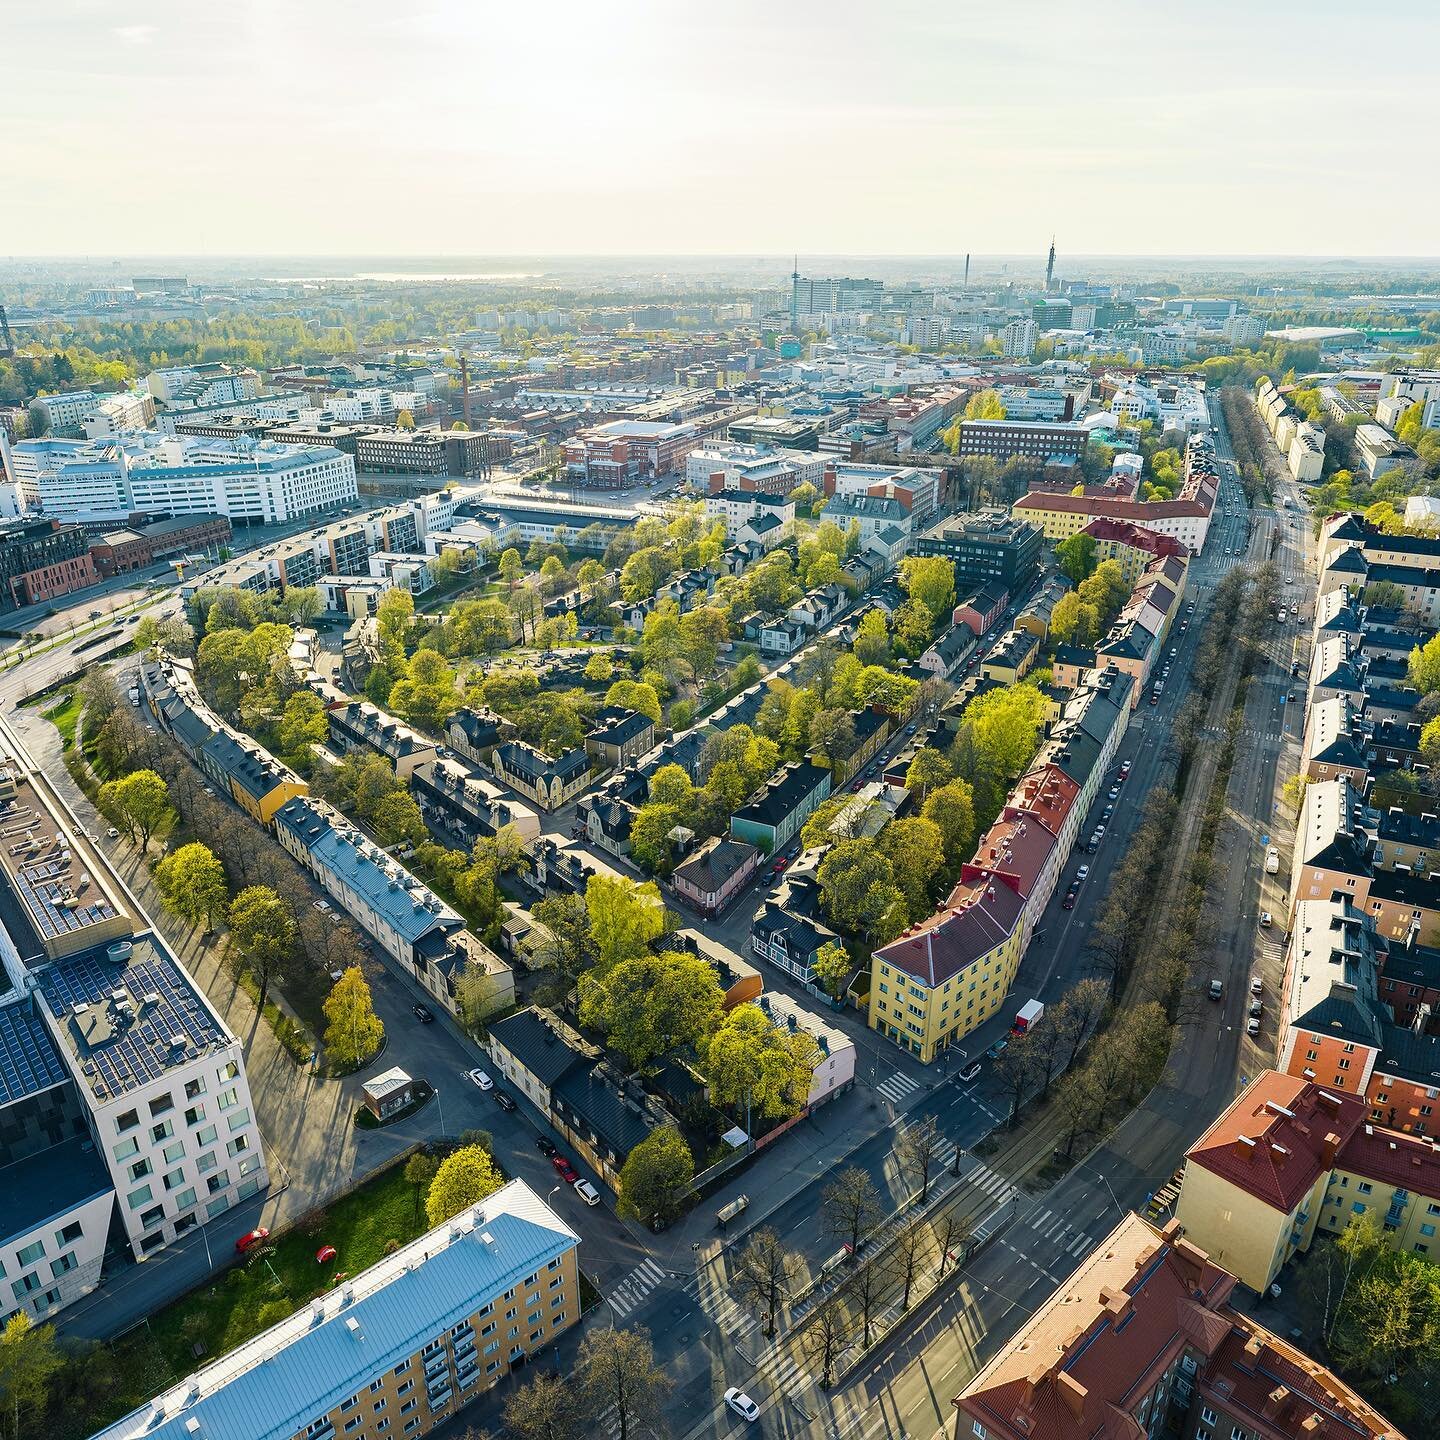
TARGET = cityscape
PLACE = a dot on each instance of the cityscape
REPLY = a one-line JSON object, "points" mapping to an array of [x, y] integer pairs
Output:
{"points": [[613, 832]]}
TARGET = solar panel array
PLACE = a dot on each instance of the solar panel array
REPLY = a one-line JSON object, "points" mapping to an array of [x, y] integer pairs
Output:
{"points": [[42, 887], [139, 1051], [29, 1062]]}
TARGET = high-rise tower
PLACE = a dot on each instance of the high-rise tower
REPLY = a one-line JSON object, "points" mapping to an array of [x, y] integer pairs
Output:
{"points": [[795, 298], [1050, 265]]}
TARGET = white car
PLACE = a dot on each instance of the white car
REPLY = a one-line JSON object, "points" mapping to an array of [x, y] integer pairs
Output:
{"points": [[1266, 919], [742, 1404], [1257, 985], [480, 1080], [323, 906], [1272, 861], [587, 1192], [113, 833]]}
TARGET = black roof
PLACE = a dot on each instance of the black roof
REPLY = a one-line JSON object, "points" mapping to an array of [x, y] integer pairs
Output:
{"points": [[536, 1045]]}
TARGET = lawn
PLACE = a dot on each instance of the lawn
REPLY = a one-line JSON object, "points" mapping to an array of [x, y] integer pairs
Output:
{"points": [[99, 1386], [64, 715]]}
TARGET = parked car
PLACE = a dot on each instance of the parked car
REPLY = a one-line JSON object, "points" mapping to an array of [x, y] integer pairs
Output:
{"points": [[587, 1192], [545, 1146], [1082, 874], [1266, 919], [971, 1070], [422, 1014], [1252, 1027], [1257, 1008], [1272, 861], [503, 1100], [251, 1238], [742, 1404], [112, 833], [480, 1080], [1068, 903], [566, 1171], [1257, 985], [323, 906]]}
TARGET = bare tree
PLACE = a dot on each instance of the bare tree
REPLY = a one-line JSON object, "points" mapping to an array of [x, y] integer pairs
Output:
{"points": [[865, 1289], [953, 1232], [763, 1276], [825, 1337], [545, 1409], [850, 1206], [617, 1368], [907, 1255], [1088, 999], [1081, 1104], [917, 1152], [1016, 1069], [1050, 1041]]}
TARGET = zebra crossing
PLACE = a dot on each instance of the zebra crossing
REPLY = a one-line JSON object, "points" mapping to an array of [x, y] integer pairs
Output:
{"points": [[1052, 1226], [733, 1319], [897, 1087], [633, 1289], [787, 1375]]}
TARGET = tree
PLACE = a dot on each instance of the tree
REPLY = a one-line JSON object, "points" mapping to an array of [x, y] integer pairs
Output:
{"points": [[859, 893], [850, 1207], [917, 1152], [465, 1177], [635, 695], [953, 1234], [511, 567], [764, 1272], [832, 735], [906, 1255], [618, 1374], [172, 635], [355, 1032], [599, 667], [1073, 622], [872, 638], [928, 770], [28, 1358], [262, 930], [825, 1337], [1424, 666], [914, 848], [138, 803], [751, 1062], [393, 617], [864, 1290], [1076, 557], [625, 917], [832, 967], [405, 421], [930, 580], [1390, 1322], [656, 1176], [1015, 1067], [649, 1005], [420, 1170], [192, 881], [985, 404], [302, 726], [562, 939], [544, 1409], [951, 809]]}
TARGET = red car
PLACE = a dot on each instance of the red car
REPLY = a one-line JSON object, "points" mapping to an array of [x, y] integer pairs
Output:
{"points": [[251, 1238], [564, 1169], [778, 866]]}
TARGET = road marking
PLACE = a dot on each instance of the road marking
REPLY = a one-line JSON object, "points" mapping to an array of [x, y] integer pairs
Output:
{"points": [[633, 1289], [1081, 1241], [1041, 1218], [897, 1087]]}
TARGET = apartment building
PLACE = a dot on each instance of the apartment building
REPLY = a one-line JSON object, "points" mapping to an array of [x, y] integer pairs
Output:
{"points": [[41, 559], [776, 814], [550, 781], [753, 468], [1018, 339], [986, 548], [399, 1349], [918, 490], [1045, 442], [459, 803], [715, 873], [64, 414], [741, 509], [943, 978], [1290, 1160], [125, 1111], [1142, 1340]]}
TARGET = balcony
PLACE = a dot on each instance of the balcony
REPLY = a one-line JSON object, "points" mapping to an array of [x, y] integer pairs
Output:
{"points": [[440, 1401]]}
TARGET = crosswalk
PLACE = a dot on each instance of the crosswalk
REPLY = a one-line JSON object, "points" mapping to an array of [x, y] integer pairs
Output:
{"points": [[733, 1319], [633, 1289], [1052, 1226], [787, 1376], [897, 1087]]}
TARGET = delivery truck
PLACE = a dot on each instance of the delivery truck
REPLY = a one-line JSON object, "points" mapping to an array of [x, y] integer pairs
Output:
{"points": [[1028, 1014]]}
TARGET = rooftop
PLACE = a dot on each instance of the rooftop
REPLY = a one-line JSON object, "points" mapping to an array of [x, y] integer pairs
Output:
{"points": [[272, 1386], [405, 904], [29, 1061], [50, 1183]]}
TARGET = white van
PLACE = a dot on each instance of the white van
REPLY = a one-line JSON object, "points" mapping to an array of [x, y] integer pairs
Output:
{"points": [[1272, 861]]}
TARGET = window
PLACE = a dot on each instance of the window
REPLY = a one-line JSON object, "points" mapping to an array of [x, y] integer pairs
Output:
{"points": [[239, 1120], [30, 1254], [136, 1198], [349, 1404], [186, 1198], [195, 1114], [228, 1072], [407, 1387], [979, 1430], [153, 1216], [140, 1169], [174, 1152], [408, 1406], [128, 1121], [73, 1231], [194, 1087], [163, 1131], [352, 1424], [1207, 1415], [401, 1368], [126, 1148], [206, 1162], [1364, 1187], [162, 1104], [205, 1136]]}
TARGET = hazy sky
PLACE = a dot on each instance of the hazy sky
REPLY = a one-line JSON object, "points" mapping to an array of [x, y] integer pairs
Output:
{"points": [[623, 126]]}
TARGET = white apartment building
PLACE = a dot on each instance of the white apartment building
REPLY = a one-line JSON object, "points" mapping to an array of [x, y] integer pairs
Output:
{"points": [[254, 480], [1018, 339], [202, 386], [835, 1072], [1243, 329], [66, 413], [118, 414], [920, 486], [1307, 453], [778, 471], [738, 508], [929, 332]]}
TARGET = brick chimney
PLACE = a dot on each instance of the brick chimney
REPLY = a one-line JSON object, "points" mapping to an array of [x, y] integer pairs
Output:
{"points": [[1190, 1260], [1072, 1392], [1329, 1148], [1276, 1401]]}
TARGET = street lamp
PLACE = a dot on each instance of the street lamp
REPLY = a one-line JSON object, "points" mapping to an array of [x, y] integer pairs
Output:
{"points": [[441, 1103]]}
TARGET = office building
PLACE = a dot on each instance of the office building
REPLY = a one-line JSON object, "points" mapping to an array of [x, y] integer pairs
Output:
{"points": [[41, 559], [397, 1350], [834, 294], [424, 452], [64, 415], [621, 453], [1045, 442], [986, 548], [247, 480]]}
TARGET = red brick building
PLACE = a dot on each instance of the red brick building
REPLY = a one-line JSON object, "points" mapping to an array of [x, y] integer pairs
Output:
{"points": [[40, 559]]}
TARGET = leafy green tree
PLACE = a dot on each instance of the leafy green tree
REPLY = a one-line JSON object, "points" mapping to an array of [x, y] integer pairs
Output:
{"points": [[872, 639], [832, 736], [650, 846], [750, 1061], [394, 615], [599, 667], [985, 405], [656, 1176], [626, 918], [635, 695], [511, 567], [1424, 666], [262, 931], [354, 1032], [1106, 590], [302, 726], [928, 770], [951, 808], [465, 1177], [29, 1357], [649, 1005], [859, 893], [1074, 622], [565, 941], [930, 580], [172, 635], [1075, 556], [139, 803], [192, 881], [915, 851], [831, 968]]}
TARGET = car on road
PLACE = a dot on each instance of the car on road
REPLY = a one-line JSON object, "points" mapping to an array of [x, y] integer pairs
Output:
{"points": [[1068, 903], [1266, 919], [971, 1070], [251, 1238], [738, 1401], [1216, 990], [855, 786], [1082, 874], [545, 1146], [503, 1100], [994, 1051], [587, 1192], [1106, 813], [566, 1171], [480, 1080], [423, 1014], [1114, 793]]}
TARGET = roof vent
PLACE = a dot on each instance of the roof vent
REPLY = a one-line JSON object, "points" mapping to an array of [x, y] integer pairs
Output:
{"points": [[353, 1326]]}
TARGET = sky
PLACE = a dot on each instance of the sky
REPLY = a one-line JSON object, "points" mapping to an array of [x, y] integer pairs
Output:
{"points": [[614, 127]]}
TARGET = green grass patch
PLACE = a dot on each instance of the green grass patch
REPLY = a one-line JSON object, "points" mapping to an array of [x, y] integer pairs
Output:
{"points": [[64, 715], [297, 1040]]}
